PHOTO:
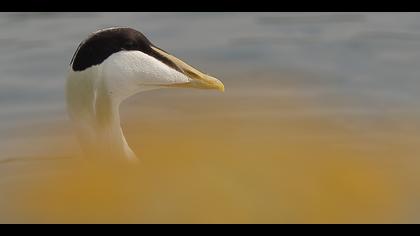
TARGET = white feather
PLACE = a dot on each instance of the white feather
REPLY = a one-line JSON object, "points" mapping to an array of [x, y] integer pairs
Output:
{"points": [[94, 96], [129, 72]]}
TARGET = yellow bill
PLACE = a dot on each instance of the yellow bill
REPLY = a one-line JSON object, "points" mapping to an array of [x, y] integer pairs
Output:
{"points": [[198, 79]]}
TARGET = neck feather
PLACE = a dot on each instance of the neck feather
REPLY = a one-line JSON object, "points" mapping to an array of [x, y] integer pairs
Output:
{"points": [[95, 113]]}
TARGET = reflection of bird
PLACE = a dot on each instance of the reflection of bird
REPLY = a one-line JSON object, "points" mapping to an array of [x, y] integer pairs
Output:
{"points": [[108, 67]]}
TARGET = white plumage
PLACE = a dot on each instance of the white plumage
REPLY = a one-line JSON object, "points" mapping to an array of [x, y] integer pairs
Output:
{"points": [[95, 94]]}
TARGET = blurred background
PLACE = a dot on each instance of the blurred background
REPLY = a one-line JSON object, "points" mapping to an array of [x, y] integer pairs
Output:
{"points": [[319, 122]]}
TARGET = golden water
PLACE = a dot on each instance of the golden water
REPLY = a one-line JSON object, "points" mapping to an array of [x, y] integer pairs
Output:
{"points": [[254, 154]]}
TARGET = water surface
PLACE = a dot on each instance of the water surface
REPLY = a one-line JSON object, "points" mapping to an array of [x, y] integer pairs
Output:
{"points": [[319, 121]]}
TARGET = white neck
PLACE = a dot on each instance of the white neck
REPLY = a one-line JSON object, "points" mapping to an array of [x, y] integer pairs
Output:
{"points": [[95, 112], [94, 96]]}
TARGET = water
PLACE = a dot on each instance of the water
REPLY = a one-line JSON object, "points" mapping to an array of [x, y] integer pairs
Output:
{"points": [[327, 101]]}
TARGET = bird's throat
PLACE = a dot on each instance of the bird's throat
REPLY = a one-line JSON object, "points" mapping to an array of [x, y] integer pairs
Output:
{"points": [[110, 135], [95, 113]]}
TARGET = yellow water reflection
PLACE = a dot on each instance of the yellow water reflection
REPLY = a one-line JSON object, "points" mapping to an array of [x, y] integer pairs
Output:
{"points": [[234, 158]]}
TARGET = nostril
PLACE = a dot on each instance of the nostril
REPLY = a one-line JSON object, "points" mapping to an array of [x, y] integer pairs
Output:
{"points": [[191, 73]]}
